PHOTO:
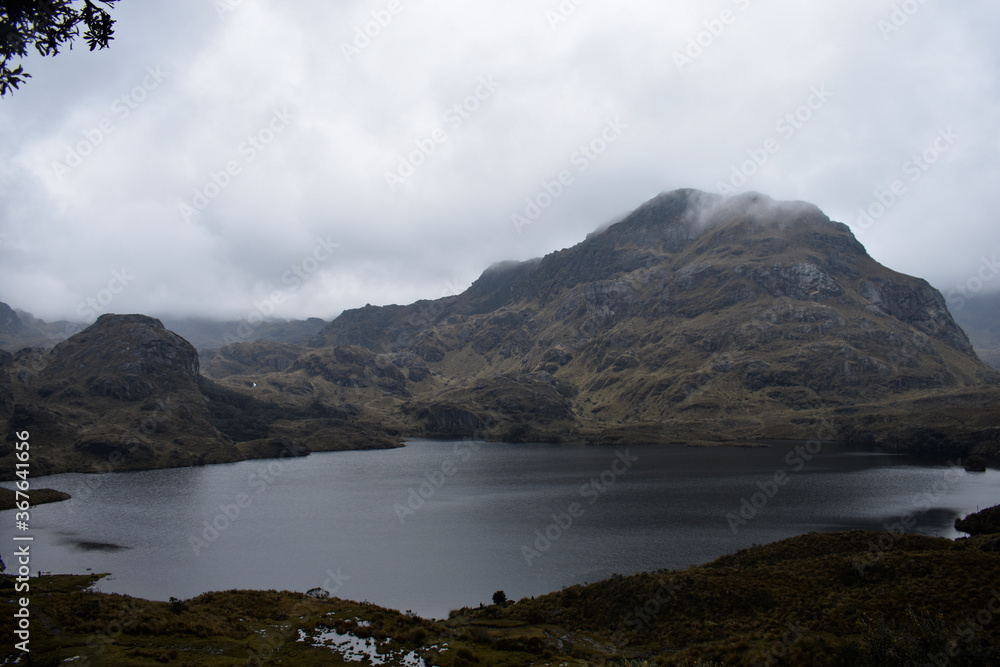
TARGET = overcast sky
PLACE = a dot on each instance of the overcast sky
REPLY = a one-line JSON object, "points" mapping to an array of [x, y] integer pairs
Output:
{"points": [[224, 152]]}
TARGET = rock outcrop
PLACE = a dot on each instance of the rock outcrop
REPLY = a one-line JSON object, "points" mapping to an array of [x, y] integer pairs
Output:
{"points": [[693, 307], [126, 393], [696, 318]]}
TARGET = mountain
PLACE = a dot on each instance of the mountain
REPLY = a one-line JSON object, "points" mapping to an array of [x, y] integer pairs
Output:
{"points": [[980, 317], [127, 394], [695, 318], [208, 336], [19, 329]]}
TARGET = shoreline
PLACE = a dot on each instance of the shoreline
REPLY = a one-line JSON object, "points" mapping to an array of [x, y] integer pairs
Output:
{"points": [[736, 608], [8, 497], [742, 443]]}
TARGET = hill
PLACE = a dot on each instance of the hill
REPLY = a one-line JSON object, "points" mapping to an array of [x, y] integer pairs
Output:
{"points": [[208, 336], [19, 329], [696, 318], [980, 317], [127, 394]]}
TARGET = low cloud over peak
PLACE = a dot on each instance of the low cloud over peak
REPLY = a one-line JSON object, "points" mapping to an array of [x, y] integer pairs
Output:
{"points": [[223, 157]]}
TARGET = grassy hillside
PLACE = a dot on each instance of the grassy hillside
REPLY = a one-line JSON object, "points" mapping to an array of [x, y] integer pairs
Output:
{"points": [[855, 598], [696, 319], [708, 319]]}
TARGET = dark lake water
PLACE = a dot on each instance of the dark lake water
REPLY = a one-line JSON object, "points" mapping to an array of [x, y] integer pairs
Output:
{"points": [[439, 525]]}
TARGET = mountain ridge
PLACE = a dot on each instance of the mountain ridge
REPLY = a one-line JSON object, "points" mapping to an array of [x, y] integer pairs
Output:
{"points": [[695, 319], [691, 312], [127, 394]]}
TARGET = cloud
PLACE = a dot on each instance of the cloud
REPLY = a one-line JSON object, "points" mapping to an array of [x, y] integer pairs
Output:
{"points": [[359, 90]]}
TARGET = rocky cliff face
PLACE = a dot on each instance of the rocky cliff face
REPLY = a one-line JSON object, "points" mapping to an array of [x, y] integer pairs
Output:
{"points": [[19, 330], [694, 307], [682, 255], [979, 315], [126, 393], [257, 357], [694, 319], [10, 323], [123, 357], [122, 394]]}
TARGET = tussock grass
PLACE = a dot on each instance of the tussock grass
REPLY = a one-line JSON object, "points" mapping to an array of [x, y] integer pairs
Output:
{"points": [[818, 599]]}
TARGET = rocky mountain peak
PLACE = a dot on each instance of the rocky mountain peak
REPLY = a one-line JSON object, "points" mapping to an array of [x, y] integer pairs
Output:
{"points": [[126, 357], [693, 306], [10, 323]]}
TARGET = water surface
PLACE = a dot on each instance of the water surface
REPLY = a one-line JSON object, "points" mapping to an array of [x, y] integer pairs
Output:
{"points": [[439, 525]]}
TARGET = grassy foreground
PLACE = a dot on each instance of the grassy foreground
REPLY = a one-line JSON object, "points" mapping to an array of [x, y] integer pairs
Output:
{"points": [[851, 598]]}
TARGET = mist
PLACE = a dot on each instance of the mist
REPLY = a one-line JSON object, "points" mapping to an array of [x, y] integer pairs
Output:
{"points": [[316, 159]]}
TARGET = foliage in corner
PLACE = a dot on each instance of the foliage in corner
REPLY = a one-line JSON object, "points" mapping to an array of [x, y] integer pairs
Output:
{"points": [[48, 25]]}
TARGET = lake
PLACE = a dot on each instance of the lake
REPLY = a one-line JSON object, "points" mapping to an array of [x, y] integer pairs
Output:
{"points": [[438, 525]]}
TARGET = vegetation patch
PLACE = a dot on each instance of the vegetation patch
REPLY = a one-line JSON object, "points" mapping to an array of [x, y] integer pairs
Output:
{"points": [[816, 599]]}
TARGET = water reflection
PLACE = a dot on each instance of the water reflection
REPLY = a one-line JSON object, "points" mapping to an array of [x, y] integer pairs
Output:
{"points": [[336, 518]]}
